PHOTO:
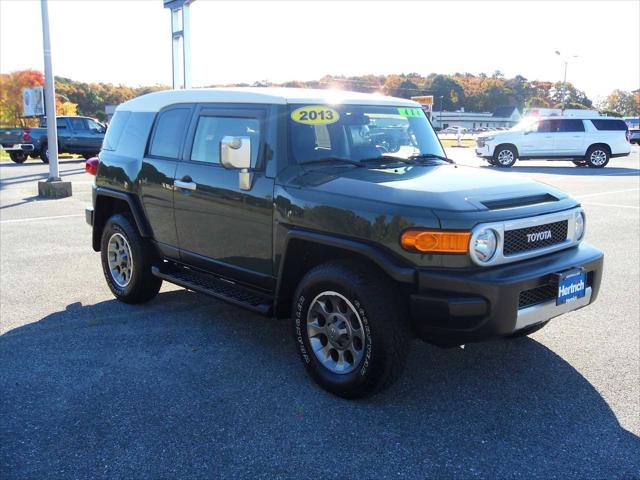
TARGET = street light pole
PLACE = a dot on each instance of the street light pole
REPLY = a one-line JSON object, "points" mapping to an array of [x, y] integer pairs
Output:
{"points": [[49, 96], [53, 187], [564, 80]]}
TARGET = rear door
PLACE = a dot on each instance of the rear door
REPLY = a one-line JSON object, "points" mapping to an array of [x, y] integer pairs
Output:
{"points": [[157, 174], [221, 227], [570, 138]]}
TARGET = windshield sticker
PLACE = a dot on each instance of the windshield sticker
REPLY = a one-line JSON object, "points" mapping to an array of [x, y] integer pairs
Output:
{"points": [[315, 115], [410, 112]]}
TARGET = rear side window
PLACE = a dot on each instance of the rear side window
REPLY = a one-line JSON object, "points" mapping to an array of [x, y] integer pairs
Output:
{"points": [[609, 124], [211, 130], [169, 133], [78, 123], [571, 126], [114, 131]]}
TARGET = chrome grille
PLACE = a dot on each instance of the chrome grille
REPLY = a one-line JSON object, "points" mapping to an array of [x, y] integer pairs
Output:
{"points": [[524, 240]]}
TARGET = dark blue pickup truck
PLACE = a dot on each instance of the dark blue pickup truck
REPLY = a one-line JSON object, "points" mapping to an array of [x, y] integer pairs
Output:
{"points": [[76, 135]]}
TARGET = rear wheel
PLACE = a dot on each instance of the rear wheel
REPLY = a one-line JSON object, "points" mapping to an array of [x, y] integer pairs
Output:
{"points": [[597, 157], [18, 157], [126, 261], [505, 156], [350, 329], [44, 153]]}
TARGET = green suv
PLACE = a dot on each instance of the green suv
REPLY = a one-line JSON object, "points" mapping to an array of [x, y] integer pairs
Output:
{"points": [[340, 211]]}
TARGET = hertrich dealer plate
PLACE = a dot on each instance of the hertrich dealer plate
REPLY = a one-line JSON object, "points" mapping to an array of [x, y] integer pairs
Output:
{"points": [[571, 286]]}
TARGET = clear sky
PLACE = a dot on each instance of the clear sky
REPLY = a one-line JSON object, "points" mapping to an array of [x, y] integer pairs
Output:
{"points": [[128, 41]]}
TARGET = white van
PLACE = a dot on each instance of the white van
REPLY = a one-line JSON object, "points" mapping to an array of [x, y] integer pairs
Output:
{"points": [[587, 142]]}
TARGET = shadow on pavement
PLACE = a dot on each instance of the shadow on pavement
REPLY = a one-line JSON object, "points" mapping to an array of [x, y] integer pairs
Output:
{"points": [[569, 170], [189, 387], [34, 177]]}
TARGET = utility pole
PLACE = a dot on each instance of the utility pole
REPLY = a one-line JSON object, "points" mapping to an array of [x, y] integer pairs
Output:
{"points": [[53, 187], [180, 41]]}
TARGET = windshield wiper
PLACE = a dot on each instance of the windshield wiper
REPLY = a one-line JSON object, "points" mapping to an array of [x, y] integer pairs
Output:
{"points": [[347, 161], [428, 156]]}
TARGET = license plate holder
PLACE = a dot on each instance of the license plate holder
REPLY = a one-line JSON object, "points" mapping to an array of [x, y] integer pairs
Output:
{"points": [[572, 285]]}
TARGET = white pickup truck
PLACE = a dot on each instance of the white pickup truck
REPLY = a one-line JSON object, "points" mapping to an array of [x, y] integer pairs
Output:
{"points": [[585, 141]]}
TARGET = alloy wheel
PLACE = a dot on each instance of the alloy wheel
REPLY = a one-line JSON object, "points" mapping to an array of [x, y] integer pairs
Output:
{"points": [[120, 260], [336, 332]]}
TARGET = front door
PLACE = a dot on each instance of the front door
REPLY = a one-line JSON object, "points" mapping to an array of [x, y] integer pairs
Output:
{"points": [[538, 140], [221, 227]]}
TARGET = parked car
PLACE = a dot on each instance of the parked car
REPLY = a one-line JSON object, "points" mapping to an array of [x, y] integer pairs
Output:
{"points": [[76, 135], [278, 201], [634, 136], [586, 142]]}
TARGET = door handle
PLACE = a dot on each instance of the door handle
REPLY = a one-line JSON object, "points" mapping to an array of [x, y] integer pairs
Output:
{"points": [[184, 184]]}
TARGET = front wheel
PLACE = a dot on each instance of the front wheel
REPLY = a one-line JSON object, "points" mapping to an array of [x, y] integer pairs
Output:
{"points": [[597, 157], [126, 262], [505, 156], [18, 157], [351, 331]]}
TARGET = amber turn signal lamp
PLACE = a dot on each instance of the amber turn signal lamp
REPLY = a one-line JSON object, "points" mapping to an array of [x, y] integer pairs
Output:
{"points": [[435, 241]]}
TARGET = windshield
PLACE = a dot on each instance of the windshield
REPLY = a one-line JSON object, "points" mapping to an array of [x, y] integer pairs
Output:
{"points": [[524, 124], [354, 133]]}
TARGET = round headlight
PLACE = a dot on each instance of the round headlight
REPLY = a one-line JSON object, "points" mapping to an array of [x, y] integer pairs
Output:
{"points": [[579, 233], [485, 245]]}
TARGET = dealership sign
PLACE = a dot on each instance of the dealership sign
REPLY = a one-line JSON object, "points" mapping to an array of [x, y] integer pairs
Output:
{"points": [[33, 102]]}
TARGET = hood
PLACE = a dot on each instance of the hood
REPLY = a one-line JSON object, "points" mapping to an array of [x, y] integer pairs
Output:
{"points": [[451, 188]]}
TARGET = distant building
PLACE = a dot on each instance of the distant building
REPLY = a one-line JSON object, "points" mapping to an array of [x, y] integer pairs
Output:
{"points": [[502, 117]]}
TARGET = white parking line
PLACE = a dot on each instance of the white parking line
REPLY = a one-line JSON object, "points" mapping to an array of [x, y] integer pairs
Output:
{"points": [[612, 205], [35, 219], [608, 193]]}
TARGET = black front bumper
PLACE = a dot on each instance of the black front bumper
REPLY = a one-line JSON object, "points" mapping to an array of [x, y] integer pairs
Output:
{"points": [[455, 307]]}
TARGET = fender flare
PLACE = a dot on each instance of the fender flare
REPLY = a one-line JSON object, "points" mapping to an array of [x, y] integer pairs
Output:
{"points": [[134, 206]]}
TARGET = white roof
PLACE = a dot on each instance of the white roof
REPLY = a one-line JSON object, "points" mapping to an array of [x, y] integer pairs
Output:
{"points": [[153, 102]]}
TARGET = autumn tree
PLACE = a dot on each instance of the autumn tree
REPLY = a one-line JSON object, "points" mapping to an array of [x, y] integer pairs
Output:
{"points": [[622, 102], [11, 86]]}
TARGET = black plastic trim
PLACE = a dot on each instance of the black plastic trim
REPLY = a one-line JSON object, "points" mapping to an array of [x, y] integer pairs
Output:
{"points": [[134, 206]]}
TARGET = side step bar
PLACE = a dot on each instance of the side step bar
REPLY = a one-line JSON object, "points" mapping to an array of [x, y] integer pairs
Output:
{"points": [[216, 287]]}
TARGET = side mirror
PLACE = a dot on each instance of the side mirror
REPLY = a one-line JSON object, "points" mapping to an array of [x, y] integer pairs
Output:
{"points": [[235, 153]]}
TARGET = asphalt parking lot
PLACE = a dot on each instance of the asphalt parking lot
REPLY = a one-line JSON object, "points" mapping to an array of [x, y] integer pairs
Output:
{"points": [[187, 386]]}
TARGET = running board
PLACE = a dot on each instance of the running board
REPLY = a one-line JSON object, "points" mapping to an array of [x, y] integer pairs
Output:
{"points": [[216, 287]]}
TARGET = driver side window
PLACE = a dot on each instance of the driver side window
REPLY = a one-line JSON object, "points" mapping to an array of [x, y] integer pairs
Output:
{"points": [[211, 130]]}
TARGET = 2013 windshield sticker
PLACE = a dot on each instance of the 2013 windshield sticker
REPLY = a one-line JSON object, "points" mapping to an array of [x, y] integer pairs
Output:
{"points": [[410, 112], [315, 115]]}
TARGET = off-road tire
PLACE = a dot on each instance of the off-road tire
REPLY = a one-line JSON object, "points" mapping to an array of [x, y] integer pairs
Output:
{"points": [[384, 320], [143, 285], [527, 330], [18, 157]]}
